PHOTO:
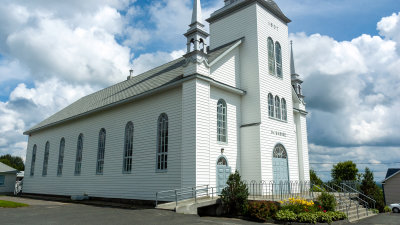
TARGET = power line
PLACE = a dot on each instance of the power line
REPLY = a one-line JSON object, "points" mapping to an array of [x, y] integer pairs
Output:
{"points": [[360, 163]]}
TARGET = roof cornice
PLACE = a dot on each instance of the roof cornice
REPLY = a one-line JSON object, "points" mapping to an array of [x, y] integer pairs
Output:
{"points": [[235, 7]]}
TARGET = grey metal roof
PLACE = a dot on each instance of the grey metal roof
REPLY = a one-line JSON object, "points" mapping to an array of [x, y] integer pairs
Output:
{"points": [[391, 171], [6, 169], [137, 85]]}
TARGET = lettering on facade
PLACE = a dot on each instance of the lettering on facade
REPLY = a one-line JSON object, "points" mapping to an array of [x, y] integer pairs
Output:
{"points": [[278, 133], [273, 26]]}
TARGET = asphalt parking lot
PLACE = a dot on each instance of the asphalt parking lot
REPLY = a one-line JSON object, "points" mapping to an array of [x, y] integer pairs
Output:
{"points": [[42, 212], [56, 213]]}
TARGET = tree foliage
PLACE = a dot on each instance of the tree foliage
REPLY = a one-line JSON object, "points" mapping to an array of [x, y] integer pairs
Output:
{"points": [[234, 196], [344, 171], [371, 189], [314, 178], [15, 162]]}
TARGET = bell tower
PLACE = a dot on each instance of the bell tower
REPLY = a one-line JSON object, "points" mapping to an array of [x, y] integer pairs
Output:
{"points": [[196, 54], [296, 81]]}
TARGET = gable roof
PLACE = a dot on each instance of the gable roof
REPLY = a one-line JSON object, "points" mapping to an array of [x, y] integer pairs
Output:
{"points": [[6, 169], [391, 173], [119, 93]]}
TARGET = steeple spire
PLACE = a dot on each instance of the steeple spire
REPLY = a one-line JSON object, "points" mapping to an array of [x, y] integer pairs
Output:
{"points": [[292, 68], [196, 14]]}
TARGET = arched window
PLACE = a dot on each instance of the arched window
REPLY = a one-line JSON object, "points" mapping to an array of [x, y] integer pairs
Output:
{"points": [[221, 121], [280, 152], [222, 161], [46, 158], [162, 143], [201, 47], [278, 55], [271, 56], [284, 110], [61, 157], [191, 45], [101, 151], [270, 105], [79, 149], [33, 160], [128, 147], [277, 107]]}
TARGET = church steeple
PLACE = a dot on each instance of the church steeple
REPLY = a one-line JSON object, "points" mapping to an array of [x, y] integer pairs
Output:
{"points": [[296, 81], [196, 35]]}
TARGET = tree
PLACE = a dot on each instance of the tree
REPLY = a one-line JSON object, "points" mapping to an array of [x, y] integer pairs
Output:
{"points": [[344, 171], [371, 189], [314, 178], [234, 196], [15, 162]]}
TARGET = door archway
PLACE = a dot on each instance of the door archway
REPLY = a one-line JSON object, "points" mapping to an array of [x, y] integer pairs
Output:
{"points": [[223, 172], [280, 168]]}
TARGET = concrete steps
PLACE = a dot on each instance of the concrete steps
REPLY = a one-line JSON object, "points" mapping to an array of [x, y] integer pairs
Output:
{"points": [[355, 210], [188, 206]]}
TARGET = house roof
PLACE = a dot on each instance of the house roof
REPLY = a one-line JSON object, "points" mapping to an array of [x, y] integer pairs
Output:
{"points": [[146, 82], [6, 169], [391, 172]]}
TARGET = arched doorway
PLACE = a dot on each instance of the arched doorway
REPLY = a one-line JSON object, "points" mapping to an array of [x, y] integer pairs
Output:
{"points": [[223, 172], [280, 169]]}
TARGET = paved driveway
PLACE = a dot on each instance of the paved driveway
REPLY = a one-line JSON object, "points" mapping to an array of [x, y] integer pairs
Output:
{"points": [[383, 218], [48, 213]]}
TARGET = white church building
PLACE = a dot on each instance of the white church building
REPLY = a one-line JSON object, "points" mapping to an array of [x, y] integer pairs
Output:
{"points": [[233, 105]]}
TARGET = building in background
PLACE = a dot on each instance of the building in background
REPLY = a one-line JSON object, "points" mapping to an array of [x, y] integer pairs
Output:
{"points": [[233, 104], [8, 176], [391, 186]]}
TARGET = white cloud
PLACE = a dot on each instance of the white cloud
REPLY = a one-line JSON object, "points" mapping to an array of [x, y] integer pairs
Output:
{"points": [[389, 27], [149, 61]]}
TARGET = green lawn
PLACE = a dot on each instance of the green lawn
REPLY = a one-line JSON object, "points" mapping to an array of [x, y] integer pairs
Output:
{"points": [[8, 204]]}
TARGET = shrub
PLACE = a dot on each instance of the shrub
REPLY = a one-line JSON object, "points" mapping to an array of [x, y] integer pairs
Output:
{"points": [[234, 196], [324, 217], [262, 210], [299, 205], [386, 209], [328, 201], [286, 215], [307, 218]]}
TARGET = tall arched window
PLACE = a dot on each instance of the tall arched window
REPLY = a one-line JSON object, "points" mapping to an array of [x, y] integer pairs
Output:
{"points": [[284, 110], [128, 147], [278, 55], [46, 158], [79, 149], [280, 152], [101, 151], [162, 143], [270, 105], [271, 56], [61, 157], [221, 121], [277, 107], [33, 160]]}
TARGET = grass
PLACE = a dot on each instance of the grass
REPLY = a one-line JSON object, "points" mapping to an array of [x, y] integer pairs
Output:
{"points": [[8, 204]]}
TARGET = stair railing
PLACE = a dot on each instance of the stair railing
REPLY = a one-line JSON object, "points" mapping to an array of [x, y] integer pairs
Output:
{"points": [[345, 186], [182, 193], [359, 200], [341, 202]]}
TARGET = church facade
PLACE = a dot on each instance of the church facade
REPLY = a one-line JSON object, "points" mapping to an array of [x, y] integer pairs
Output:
{"points": [[233, 105]]}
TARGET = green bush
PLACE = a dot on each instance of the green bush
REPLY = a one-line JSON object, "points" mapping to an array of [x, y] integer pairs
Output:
{"points": [[337, 215], [262, 210], [234, 196], [328, 201], [307, 218], [386, 209], [286, 215]]}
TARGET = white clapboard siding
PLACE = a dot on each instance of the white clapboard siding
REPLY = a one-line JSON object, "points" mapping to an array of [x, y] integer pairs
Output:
{"points": [[142, 183]]}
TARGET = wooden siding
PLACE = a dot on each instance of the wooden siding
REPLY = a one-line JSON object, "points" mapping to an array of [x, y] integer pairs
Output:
{"points": [[142, 183], [9, 183], [392, 187]]}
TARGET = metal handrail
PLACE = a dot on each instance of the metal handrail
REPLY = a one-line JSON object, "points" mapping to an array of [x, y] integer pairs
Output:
{"points": [[365, 203], [340, 200], [358, 192], [177, 193]]}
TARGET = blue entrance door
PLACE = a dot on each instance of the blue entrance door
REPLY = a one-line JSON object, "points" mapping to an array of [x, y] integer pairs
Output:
{"points": [[223, 172], [280, 170]]}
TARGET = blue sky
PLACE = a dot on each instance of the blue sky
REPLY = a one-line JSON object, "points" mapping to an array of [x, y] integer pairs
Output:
{"points": [[347, 52]]}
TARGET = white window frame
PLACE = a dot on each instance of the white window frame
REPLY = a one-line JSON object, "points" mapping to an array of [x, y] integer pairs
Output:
{"points": [[162, 143], [46, 158], [271, 105], [32, 172], [278, 60], [128, 149], [78, 159], [61, 157], [284, 109], [271, 56], [222, 121], [101, 152], [277, 107]]}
